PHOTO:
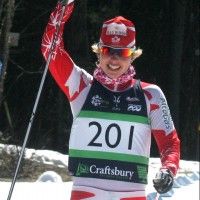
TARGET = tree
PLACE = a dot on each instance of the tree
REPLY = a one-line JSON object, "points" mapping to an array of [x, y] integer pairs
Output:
{"points": [[177, 38], [6, 14], [168, 33]]}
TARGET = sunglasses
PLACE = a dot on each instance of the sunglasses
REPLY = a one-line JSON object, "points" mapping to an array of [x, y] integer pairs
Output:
{"points": [[124, 53]]}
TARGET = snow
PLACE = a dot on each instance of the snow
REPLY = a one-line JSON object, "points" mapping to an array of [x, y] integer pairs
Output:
{"points": [[61, 191], [50, 186], [37, 191]]}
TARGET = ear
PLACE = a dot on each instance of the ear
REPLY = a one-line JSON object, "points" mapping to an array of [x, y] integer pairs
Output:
{"points": [[97, 63], [98, 56], [132, 59]]}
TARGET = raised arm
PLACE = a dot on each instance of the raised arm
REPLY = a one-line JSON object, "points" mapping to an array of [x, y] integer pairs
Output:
{"points": [[61, 65], [73, 81]]}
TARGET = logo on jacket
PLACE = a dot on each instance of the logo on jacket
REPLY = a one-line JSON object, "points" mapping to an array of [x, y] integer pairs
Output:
{"points": [[166, 114], [116, 101], [134, 107], [96, 100], [132, 99]]}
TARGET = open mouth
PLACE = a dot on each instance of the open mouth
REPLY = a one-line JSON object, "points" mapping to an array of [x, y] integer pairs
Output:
{"points": [[113, 67]]}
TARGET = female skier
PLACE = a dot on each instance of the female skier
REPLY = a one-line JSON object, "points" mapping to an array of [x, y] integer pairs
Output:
{"points": [[114, 116]]}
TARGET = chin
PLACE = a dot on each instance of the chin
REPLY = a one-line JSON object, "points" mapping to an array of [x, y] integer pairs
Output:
{"points": [[113, 76]]}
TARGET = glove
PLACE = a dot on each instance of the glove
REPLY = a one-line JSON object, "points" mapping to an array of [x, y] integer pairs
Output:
{"points": [[163, 181], [63, 2]]}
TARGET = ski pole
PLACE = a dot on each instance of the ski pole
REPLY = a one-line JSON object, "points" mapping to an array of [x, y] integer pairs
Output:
{"points": [[36, 101], [157, 196]]}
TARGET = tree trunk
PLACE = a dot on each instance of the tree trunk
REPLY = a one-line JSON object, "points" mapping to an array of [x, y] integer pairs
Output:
{"points": [[177, 38], [1, 10], [4, 40]]}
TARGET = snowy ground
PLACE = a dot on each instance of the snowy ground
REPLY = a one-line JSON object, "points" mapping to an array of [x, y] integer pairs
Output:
{"points": [[61, 191], [186, 184]]}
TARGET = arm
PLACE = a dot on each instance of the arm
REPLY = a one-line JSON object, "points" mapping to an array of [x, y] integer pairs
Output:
{"points": [[169, 148], [70, 78], [163, 128], [166, 138], [61, 64]]}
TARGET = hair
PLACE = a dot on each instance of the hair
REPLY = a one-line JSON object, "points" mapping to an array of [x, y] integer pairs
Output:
{"points": [[136, 53]]}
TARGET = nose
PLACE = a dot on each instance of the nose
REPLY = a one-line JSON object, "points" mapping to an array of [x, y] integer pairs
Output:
{"points": [[114, 56]]}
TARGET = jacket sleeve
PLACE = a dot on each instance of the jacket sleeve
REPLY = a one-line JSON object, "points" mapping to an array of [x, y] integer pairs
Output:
{"points": [[61, 64], [169, 148], [163, 129], [73, 80]]}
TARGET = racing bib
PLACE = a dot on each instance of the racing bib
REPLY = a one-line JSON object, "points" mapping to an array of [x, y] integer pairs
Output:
{"points": [[113, 143]]}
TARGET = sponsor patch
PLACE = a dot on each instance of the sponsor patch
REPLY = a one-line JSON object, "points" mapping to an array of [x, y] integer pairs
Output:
{"points": [[116, 29], [132, 99], [97, 101], [166, 114], [116, 101], [106, 171], [134, 107]]}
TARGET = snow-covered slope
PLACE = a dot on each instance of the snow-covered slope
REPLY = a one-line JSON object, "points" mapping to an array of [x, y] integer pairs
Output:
{"points": [[50, 186]]}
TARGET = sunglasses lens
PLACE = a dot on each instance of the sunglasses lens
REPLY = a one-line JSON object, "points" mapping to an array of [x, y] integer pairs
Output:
{"points": [[105, 50], [119, 52], [126, 52]]}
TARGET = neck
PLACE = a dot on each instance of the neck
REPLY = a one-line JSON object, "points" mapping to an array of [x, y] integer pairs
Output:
{"points": [[121, 83]]}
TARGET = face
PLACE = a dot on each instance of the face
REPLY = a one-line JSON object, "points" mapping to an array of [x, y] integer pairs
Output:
{"points": [[113, 64]]}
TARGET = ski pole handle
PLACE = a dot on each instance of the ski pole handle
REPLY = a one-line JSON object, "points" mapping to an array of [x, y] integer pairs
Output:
{"points": [[63, 2]]}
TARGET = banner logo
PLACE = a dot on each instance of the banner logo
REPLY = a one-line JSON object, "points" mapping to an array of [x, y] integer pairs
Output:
{"points": [[82, 169], [107, 171]]}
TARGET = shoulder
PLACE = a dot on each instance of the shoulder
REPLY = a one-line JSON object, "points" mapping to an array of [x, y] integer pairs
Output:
{"points": [[152, 90]]}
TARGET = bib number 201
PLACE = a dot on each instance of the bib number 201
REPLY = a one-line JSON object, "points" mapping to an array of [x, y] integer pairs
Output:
{"points": [[115, 126]]}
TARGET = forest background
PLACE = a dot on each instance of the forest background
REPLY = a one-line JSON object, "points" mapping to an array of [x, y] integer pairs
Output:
{"points": [[167, 31]]}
